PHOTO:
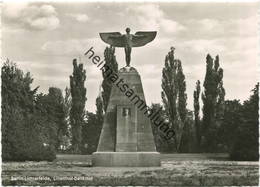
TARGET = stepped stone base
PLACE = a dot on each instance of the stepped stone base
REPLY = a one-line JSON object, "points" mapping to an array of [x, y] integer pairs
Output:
{"points": [[126, 159]]}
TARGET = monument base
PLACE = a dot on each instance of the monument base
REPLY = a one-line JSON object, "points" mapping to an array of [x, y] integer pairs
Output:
{"points": [[126, 159]]}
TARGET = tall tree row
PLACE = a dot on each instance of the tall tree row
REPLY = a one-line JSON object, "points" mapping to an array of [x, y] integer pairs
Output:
{"points": [[213, 99], [174, 95], [77, 112]]}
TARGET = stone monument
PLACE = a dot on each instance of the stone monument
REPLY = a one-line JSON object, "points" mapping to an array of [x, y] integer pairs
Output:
{"points": [[126, 138]]}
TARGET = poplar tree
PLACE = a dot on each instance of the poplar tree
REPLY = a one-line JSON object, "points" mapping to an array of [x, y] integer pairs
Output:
{"points": [[67, 105], [110, 60], [56, 108], [67, 137], [213, 103], [78, 95], [196, 104], [174, 95], [169, 93], [182, 96]]}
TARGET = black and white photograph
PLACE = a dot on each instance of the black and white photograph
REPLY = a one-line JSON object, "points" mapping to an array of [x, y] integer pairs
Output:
{"points": [[130, 93]]}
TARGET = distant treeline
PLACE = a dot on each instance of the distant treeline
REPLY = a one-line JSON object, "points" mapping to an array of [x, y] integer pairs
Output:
{"points": [[37, 126]]}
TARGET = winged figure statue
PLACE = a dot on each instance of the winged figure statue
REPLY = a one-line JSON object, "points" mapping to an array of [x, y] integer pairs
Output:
{"points": [[127, 41]]}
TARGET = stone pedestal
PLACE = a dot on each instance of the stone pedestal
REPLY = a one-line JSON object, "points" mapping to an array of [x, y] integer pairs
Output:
{"points": [[126, 138]]}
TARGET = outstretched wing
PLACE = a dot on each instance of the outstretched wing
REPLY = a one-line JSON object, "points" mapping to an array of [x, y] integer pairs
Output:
{"points": [[113, 38], [141, 38]]}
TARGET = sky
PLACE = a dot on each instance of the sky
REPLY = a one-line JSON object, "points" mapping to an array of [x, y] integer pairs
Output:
{"points": [[45, 37]]}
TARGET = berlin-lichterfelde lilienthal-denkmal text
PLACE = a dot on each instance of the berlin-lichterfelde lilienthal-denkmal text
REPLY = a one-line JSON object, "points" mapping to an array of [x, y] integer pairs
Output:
{"points": [[118, 94]]}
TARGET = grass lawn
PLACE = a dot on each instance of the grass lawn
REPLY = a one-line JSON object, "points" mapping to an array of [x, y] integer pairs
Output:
{"points": [[176, 169]]}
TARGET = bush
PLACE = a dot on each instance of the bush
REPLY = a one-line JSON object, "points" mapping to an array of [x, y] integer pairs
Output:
{"points": [[48, 153], [34, 152], [23, 134], [245, 146], [26, 145]]}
